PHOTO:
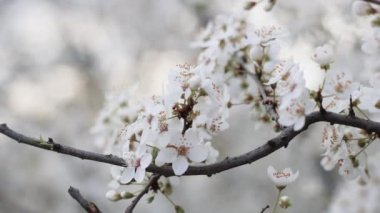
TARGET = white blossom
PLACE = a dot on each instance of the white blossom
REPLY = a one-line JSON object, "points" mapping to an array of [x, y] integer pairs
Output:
{"points": [[137, 161], [265, 35], [340, 85], [371, 44], [182, 149], [283, 177], [295, 112]]}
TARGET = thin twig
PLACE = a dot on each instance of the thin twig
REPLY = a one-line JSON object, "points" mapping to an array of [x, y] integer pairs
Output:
{"points": [[281, 140], [151, 183], [90, 207], [264, 209], [268, 104]]}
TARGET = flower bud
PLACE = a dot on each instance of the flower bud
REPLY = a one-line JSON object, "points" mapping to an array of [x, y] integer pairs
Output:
{"points": [[126, 195], [256, 53], [284, 202], [362, 143], [113, 195], [323, 55]]}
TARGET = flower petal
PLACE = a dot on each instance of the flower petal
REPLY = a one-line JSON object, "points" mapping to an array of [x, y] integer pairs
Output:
{"points": [[166, 155], [140, 174], [198, 153], [299, 124], [127, 175], [271, 171], [145, 160], [116, 172], [180, 165]]}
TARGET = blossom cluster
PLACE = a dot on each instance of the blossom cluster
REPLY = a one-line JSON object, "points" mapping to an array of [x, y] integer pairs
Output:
{"points": [[342, 147], [178, 126], [240, 63], [371, 44]]}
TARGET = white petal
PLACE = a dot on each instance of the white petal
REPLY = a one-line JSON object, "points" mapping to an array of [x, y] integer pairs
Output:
{"points": [[293, 177], [299, 124], [180, 165], [328, 163], [191, 136], [163, 139], [140, 174], [166, 155], [271, 171], [145, 160], [125, 148], [127, 175], [198, 153], [116, 172], [141, 150]]}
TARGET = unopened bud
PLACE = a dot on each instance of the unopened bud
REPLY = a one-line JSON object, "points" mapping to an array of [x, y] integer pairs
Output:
{"points": [[113, 195], [256, 53], [324, 56], [126, 195], [362, 143], [284, 202]]}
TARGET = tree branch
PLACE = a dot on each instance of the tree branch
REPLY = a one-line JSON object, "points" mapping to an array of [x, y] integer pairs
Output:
{"points": [[373, 1], [272, 145], [151, 183], [88, 206]]}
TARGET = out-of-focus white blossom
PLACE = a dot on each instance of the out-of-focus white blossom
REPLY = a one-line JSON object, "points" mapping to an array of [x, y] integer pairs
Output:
{"points": [[352, 197], [371, 44], [265, 36], [115, 114]]}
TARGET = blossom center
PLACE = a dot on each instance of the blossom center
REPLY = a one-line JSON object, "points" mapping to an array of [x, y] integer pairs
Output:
{"points": [[281, 174], [182, 150]]}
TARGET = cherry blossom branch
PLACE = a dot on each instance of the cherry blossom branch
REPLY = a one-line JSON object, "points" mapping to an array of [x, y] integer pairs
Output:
{"points": [[90, 207], [282, 140], [373, 1], [150, 185]]}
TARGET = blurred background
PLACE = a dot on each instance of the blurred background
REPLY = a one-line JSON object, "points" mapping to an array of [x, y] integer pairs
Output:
{"points": [[59, 58]]}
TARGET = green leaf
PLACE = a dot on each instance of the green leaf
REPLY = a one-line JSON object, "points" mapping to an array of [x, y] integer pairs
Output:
{"points": [[150, 199], [179, 209]]}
